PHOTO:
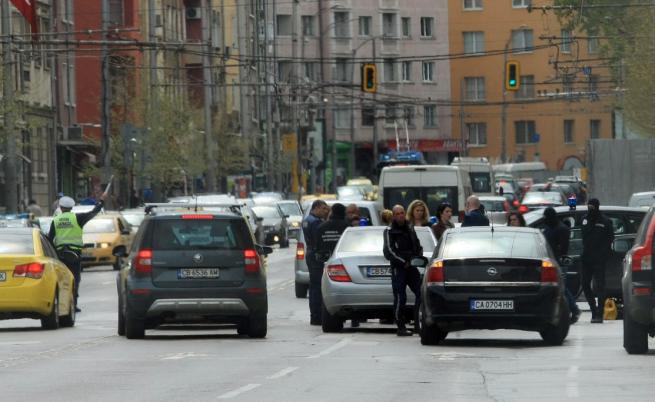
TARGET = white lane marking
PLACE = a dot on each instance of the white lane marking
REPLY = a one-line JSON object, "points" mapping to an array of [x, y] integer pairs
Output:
{"points": [[283, 372], [107, 282], [184, 355], [572, 390], [450, 356], [239, 391], [18, 343], [331, 349]]}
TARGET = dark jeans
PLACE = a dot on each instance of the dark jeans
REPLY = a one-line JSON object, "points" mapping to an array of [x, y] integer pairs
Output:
{"points": [[400, 279], [74, 264], [315, 295], [594, 270], [570, 297]]}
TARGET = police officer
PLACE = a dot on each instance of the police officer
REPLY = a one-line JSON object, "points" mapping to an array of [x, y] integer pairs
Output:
{"points": [[66, 234], [401, 245], [310, 225], [597, 239]]}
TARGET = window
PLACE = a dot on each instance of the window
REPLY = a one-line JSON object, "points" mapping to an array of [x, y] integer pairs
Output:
{"points": [[568, 131], [567, 84], [342, 118], [368, 116], [477, 134], [593, 83], [522, 40], [116, 12], [68, 82], [389, 24], [341, 73], [473, 42], [342, 24], [594, 129], [592, 45], [521, 3], [365, 26], [311, 71], [407, 71], [390, 114], [430, 115], [427, 25], [308, 25], [474, 87], [408, 115], [216, 32], [389, 70], [525, 131], [284, 25], [472, 4], [526, 89], [67, 12], [284, 71], [566, 41], [428, 71], [406, 27]]}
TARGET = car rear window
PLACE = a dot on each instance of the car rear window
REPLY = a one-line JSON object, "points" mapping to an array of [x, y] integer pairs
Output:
{"points": [[100, 226], [290, 208], [493, 205], [498, 244], [180, 234], [367, 241], [542, 196], [267, 212], [12, 243]]}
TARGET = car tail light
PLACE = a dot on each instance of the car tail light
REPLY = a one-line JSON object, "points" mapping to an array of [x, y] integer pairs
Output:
{"points": [[549, 272], [300, 251], [515, 203], [143, 262], [338, 273], [197, 217], [32, 270], [462, 214], [251, 261], [523, 209], [642, 259], [641, 291], [435, 274]]}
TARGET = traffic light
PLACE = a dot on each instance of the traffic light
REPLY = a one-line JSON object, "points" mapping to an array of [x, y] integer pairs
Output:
{"points": [[369, 78], [512, 76]]}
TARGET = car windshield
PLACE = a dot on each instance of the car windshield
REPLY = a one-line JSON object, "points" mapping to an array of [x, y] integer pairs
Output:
{"points": [[178, 234], [487, 244], [369, 241], [290, 208], [542, 197], [99, 226], [266, 212], [351, 192], [20, 244], [134, 219], [480, 182]]}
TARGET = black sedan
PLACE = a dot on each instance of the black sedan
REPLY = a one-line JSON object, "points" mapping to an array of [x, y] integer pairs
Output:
{"points": [[493, 278], [274, 224]]}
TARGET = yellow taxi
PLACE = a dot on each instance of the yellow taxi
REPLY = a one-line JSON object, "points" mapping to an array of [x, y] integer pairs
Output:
{"points": [[102, 236], [33, 282]]}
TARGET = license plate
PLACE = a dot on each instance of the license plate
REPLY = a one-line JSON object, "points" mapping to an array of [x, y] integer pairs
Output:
{"points": [[3, 276], [376, 272], [492, 305], [197, 273]]}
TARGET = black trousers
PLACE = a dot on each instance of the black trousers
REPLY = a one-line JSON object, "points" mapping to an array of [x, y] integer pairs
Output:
{"points": [[315, 295], [593, 270], [401, 278], [74, 264]]}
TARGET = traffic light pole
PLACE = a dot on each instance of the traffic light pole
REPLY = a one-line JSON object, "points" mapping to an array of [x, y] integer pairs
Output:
{"points": [[503, 119], [375, 113]]}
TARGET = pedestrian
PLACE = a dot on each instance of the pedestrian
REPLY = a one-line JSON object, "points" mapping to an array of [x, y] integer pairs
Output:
{"points": [[386, 216], [66, 234], [34, 209], [444, 213], [516, 219], [352, 214], [557, 234], [474, 213], [597, 239], [401, 245], [55, 205], [418, 213], [310, 225]]}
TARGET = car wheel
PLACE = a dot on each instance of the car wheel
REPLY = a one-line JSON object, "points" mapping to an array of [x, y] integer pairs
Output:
{"points": [[555, 334], [69, 320], [635, 335], [301, 290], [51, 321], [329, 322], [257, 326], [430, 334], [121, 318], [134, 328]]}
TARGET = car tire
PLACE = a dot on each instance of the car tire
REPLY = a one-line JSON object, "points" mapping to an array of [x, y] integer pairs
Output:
{"points": [[69, 320], [134, 328], [121, 318], [301, 290], [257, 326], [555, 334], [51, 321], [329, 322], [635, 336], [430, 334]]}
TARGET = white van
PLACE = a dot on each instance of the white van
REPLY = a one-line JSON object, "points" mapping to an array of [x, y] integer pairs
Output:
{"points": [[434, 184], [480, 173], [645, 199]]}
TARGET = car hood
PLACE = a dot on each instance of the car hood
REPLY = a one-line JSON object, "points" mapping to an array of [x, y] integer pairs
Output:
{"points": [[271, 222]]}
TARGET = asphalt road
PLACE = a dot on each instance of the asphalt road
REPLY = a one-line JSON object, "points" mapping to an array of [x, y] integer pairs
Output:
{"points": [[297, 362]]}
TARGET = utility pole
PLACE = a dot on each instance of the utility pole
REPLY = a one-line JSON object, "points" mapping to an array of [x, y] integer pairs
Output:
{"points": [[10, 168], [295, 74], [375, 114], [207, 87], [105, 149], [503, 118], [270, 176], [154, 92]]}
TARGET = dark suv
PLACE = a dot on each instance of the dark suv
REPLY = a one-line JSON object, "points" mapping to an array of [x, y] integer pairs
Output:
{"points": [[193, 267], [638, 286]]}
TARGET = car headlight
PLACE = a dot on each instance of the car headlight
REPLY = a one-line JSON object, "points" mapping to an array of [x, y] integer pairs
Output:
{"points": [[104, 245], [295, 224]]}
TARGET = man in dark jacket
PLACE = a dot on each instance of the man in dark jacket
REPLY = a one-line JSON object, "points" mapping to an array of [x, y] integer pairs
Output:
{"points": [[401, 245], [557, 234], [597, 239], [310, 227], [474, 213]]}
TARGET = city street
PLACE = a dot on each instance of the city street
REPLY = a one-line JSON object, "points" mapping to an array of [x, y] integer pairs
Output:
{"points": [[297, 362]]}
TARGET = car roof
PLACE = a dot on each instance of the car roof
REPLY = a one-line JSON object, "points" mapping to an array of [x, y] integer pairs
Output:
{"points": [[18, 230], [502, 229], [491, 198], [178, 214], [379, 228], [643, 193]]}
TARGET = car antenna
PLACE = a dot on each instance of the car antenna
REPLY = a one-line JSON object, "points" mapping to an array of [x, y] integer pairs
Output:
{"points": [[194, 196]]}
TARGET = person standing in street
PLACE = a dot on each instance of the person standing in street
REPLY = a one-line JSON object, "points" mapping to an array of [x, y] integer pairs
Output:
{"points": [[310, 226], [418, 214], [557, 235], [66, 235], [34, 209], [444, 213], [386, 216], [474, 213], [352, 214], [55, 204], [516, 219], [401, 245], [597, 239]]}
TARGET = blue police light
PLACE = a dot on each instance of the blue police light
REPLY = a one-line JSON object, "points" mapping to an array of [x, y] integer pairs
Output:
{"points": [[573, 202], [433, 220], [363, 222]]}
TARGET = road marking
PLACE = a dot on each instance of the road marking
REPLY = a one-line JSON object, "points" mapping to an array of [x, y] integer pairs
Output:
{"points": [[108, 282], [572, 390], [18, 343], [184, 355], [331, 349], [239, 391], [283, 372], [450, 356]]}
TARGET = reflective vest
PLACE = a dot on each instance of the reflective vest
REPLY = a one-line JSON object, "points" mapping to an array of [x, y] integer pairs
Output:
{"points": [[67, 231]]}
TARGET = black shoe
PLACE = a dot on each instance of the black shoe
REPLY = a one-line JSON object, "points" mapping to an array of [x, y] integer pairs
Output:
{"points": [[597, 320], [315, 322], [575, 316], [404, 332]]}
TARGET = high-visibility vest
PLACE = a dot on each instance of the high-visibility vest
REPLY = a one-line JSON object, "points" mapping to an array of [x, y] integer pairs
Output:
{"points": [[67, 231]]}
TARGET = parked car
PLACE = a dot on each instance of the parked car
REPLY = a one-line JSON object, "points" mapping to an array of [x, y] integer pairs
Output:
{"points": [[274, 224], [33, 282], [493, 279], [103, 236], [643, 199], [625, 221], [292, 210], [496, 208], [541, 199], [356, 281], [638, 284], [192, 267]]}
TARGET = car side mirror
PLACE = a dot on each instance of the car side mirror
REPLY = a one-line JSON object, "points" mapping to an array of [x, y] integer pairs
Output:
{"points": [[264, 250], [419, 262], [120, 252], [126, 231]]}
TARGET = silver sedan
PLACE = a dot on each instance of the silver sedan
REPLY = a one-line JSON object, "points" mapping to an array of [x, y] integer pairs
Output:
{"points": [[356, 281]]}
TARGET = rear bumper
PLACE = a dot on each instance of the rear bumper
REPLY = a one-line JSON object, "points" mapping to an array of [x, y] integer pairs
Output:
{"points": [[301, 272], [33, 296], [198, 306], [347, 299]]}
